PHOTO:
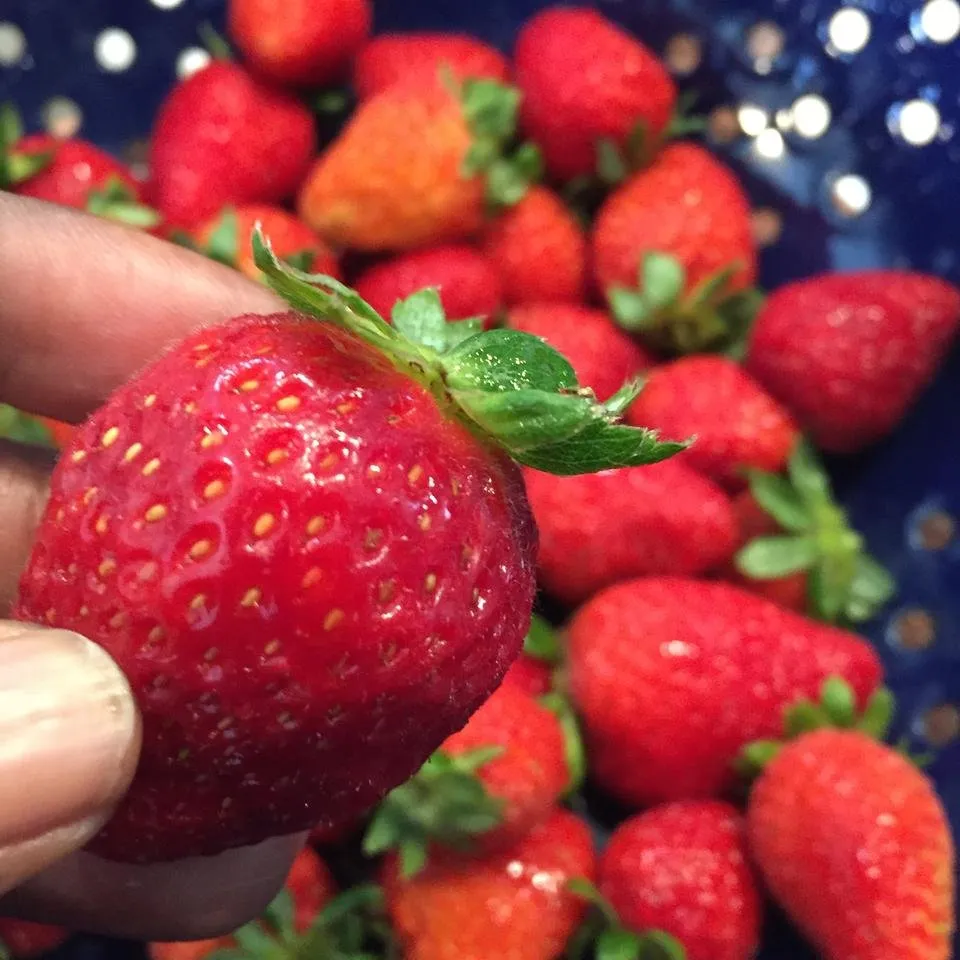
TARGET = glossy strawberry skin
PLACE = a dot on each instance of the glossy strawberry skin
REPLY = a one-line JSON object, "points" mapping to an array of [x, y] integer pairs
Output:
{"points": [[223, 138], [738, 425], [468, 284], [418, 59], [849, 353], [513, 905], [309, 575], [583, 80], [287, 236], [683, 868], [300, 41], [855, 845], [311, 887], [686, 204], [539, 249], [534, 677], [603, 357], [673, 677], [530, 774], [76, 170], [601, 528], [393, 178], [25, 940]]}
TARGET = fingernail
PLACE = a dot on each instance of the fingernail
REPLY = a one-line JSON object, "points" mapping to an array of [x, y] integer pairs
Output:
{"points": [[69, 730]]}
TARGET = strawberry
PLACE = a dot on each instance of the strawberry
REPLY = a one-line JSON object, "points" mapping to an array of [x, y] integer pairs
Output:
{"points": [[540, 250], [300, 42], [603, 356], [309, 886], [849, 353], [797, 546], [221, 138], [684, 225], [512, 904], [532, 671], [465, 279], [225, 238], [415, 166], [306, 604], [420, 58], [23, 939], [71, 173], [853, 842], [599, 529], [736, 422], [672, 677], [585, 81], [681, 871], [487, 786]]}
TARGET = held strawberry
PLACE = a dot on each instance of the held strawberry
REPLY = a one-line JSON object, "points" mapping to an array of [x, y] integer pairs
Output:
{"points": [[421, 59], [673, 677], [24, 940], [848, 354], [487, 786], [299, 42], [241, 501], [513, 904]]}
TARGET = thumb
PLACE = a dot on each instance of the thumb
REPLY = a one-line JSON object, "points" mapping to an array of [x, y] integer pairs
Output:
{"points": [[69, 740]]}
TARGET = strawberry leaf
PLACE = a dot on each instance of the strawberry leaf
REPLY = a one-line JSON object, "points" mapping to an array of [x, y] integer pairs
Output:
{"points": [[510, 387], [420, 318], [611, 163], [541, 641], [116, 201], [779, 498], [214, 42], [301, 259], [877, 717], [768, 558], [223, 244], [574, 751], [807, 475], [662, 279], [20, 427], [872, 588], [615, 943], [660, 945], [15, 167], [839, 702]]}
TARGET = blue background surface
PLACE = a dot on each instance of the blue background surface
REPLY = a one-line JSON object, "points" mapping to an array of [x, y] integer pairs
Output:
{"points": [[911, 220]]}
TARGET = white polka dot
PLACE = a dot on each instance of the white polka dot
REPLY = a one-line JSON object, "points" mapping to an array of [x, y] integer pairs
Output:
{"points": [[940, 20], [769, 144], [752, 119], [13, 44], [115, 50], [811, 116], [849, 30], [191, 60], [851, 194], [62, 117], [166, 4], [917, 121]]}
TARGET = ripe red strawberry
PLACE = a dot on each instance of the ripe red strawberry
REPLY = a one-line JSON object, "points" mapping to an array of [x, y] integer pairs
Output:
{"points": [[24, 940], [466, 280], [306, 603], [226, 237], [585, 80], [602, 355], [682, 869], [672, 677], [223, 138], [682, 225], [299, 42], [737, 424], [513, 904], [71, 173], [540, 250], [409, 168], [599, 529], [797, 547], [855, 845], [849, 353], [489, 784], [419, 59]]}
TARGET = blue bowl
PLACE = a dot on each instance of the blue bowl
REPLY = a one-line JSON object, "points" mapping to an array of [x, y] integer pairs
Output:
{"points": [[849, 144]]}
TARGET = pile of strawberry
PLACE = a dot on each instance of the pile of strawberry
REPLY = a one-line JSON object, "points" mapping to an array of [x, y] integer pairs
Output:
{"points": [[705, 681]]}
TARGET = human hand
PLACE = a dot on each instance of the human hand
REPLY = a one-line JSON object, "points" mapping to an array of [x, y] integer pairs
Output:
{"points": [[83, 305]]}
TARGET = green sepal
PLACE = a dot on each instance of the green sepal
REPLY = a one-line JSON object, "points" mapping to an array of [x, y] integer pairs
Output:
{"points": [[573, 746], [214, 42], [5, 953], [421, 319], [223, 244], [16, 168], [542, 641], [612, 166], [509, 387], [444, 803], [844, 583], [332, 102], [301, 259], [21, 427], [116, 201]]}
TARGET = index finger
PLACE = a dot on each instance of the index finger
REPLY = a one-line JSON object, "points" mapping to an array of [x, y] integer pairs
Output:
{"points": [[85, 303]]}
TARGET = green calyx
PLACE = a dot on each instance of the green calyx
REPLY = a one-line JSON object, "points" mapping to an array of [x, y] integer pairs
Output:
{"points": [[509, 168], [444, 803], [351, 927], [836, 709], [844, 582], [510, 388], [711, 317], [542, 642], [574, 751], [603, 937], [15, 167], [116, 201], [20, 427]]}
